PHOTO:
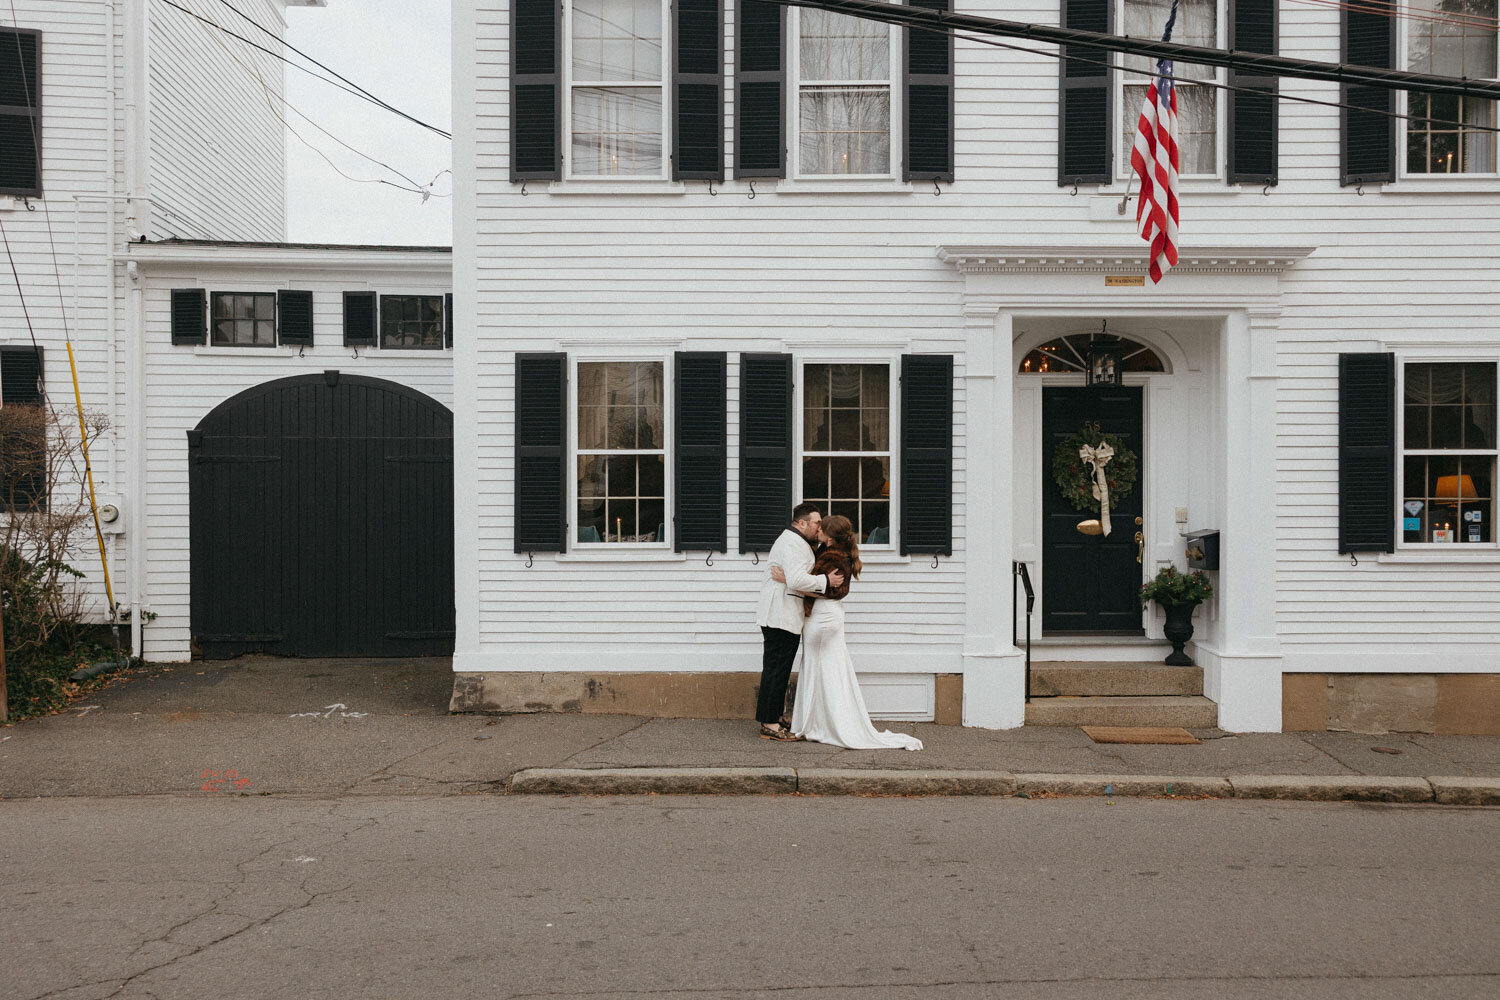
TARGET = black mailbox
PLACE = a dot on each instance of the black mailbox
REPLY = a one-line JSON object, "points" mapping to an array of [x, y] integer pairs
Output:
{"points": [[1202, 548]]}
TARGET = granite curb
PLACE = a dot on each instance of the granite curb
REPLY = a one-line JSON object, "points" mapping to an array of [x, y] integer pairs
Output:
{"points": [[877, 783]]}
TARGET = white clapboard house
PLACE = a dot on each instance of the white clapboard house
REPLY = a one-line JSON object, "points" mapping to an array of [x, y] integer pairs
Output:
{"points": [[278, 473], [719, 256]]}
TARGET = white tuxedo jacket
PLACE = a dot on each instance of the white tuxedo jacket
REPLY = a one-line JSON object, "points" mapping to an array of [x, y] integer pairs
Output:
{"points": [[781, 603]]}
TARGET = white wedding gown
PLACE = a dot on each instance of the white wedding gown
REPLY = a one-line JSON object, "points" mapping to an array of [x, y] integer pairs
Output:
{"points": [[829, 707]]}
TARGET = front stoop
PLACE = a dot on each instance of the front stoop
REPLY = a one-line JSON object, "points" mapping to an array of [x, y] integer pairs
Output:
{"points": [[1187, 712], [1118, 694], [1109, 678]]}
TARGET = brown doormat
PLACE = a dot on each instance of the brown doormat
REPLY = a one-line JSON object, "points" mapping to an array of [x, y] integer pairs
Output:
{"points": [[1140, 734]]}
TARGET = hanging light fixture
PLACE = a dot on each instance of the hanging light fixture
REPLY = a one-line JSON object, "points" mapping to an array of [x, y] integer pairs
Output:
{"points": [[1106, 358]]}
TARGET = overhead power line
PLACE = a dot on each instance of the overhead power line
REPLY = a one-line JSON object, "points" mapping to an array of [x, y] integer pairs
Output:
{"points": [[1248, 63], [324, 66], [341, 83]]}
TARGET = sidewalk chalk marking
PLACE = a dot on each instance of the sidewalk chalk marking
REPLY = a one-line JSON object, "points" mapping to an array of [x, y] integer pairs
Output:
{"points": [[216, 781], [85, 709], [328, 710]]}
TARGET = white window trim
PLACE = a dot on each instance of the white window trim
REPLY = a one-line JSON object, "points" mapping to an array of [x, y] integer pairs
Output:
{"points": [[1127, 117], [1403, 103], [1438, 551], [626, 551], [275, 346], [793, 117], [380, 298], [892, 361], [568, 83]]}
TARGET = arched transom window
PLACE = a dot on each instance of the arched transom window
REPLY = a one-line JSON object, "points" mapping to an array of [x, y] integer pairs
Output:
{"points": [[1070, 354]]}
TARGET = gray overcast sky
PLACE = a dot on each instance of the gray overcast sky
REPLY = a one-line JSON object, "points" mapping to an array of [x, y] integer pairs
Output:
{"points": [[400, 51]]}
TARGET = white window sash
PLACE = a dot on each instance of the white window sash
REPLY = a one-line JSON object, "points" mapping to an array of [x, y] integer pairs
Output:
{"points": [[667, 62], [893, 418], [1129, 116], [1403, 106], [1402, 452], [575, 453], [793, 110]]}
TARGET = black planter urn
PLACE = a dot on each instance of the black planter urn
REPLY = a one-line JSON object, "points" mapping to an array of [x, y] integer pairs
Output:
{"points": [[1178, 630]]}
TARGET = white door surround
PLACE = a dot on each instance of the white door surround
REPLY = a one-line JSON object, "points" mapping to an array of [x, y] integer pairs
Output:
{"points": [[1236, 290]]}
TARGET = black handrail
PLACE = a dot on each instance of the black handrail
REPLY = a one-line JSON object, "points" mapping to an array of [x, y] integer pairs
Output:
{"points": [[1018, 569]]}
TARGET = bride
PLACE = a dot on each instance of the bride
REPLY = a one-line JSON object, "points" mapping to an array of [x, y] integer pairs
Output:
{"points": [[829, 707]]}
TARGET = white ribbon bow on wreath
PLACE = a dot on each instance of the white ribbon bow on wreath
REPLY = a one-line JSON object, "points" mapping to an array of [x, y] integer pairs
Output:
{"points": [[1099, 457]]}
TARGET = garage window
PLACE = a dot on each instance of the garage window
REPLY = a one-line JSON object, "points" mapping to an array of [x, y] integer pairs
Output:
{"points": [[411, 321], [244, 319]]}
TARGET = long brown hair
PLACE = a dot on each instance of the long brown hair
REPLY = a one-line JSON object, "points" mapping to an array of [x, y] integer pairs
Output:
{"points": [[841, 536]]}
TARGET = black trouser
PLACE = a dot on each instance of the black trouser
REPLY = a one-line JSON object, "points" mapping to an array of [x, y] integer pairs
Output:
{"points": [[775, 670]]}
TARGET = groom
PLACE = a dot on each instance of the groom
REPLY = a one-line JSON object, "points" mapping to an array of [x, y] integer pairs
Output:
{"points": [[780, 614]]}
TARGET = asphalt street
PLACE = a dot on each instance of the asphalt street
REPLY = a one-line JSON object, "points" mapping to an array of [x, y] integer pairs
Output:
{"points": [[789, 898]]}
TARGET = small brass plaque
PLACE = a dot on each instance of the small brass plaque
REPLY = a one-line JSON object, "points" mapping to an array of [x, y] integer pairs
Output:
{"points": [[1124, 281]]}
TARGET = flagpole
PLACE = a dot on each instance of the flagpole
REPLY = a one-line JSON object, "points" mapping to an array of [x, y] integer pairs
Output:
{"points": [[1125, 201]]}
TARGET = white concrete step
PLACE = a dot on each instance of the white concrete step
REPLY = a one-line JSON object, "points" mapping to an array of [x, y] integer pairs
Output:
{"points": [[1097, 678], [1186, 711]]}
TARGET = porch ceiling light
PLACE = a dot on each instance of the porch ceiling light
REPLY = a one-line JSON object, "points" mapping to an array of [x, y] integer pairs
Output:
{"points": [[1106, 358]]}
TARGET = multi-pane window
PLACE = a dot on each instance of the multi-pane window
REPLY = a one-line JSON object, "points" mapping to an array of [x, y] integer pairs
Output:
{"points": [[23, 431], [846, 445], [244, 319], [621, 452], [1448, 452], [843, 94], [1447, 134], [1197, 105], [411, 321], [617, 88]]}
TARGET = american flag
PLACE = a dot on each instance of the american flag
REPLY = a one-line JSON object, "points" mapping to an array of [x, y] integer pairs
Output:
{"points": [[1155, 161]]}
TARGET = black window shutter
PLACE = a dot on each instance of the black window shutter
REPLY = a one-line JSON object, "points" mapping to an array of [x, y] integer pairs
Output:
{"points": [[928, 72], [1085, 110], [448, 319], [189, 316], [359, 319], [698, 90], [20, 112], [927, 454], [1252, 111], [294, 317], [765, 449], [759, 86], [20, 376], [702, 453], [1367, 152], [535, 90], [541, 453], [1367, 452]]}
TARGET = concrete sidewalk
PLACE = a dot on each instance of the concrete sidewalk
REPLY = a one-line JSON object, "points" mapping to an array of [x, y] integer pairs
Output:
{"points": [[347, 727]]}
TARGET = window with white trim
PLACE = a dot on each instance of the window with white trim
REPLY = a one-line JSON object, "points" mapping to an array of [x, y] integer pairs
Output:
{"points": [[1448, 452], [846, 445], [616, 88], [411, 322], [620, 432], [1198, 23], [1448, 134], [244, 319], [843, 115]]}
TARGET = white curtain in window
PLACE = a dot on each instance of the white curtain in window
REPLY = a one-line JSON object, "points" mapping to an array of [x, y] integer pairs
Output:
{"points": [[617, 130]]}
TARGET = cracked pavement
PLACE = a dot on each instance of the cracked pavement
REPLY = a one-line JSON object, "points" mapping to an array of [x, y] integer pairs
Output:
{"points": [[224, 830], [176, 898]]}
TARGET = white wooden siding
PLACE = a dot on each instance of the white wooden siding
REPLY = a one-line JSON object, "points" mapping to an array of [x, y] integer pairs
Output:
{"points": [[218, 145], [185, 383], [568, 265]]}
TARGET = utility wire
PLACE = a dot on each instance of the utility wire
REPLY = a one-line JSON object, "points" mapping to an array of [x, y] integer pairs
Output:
{"points": [[346, 88], [1406, 12], [264, 30], [271, 97]]}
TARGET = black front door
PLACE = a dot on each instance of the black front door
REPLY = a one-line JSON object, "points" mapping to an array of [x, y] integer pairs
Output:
{"points": [[1090, 583]]}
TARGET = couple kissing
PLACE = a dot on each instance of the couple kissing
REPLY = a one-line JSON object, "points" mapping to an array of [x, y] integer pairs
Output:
{"points": [[812, 565]]}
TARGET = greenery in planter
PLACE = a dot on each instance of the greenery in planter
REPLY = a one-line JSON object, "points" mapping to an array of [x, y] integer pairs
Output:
{"points": [[1172, 586]]}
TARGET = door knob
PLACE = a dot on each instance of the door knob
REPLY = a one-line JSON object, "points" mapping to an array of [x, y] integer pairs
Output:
{"points": [[1137, 522]]}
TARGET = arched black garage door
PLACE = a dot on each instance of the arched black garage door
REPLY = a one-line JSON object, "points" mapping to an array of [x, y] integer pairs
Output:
{"points": [[322, 521]]}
